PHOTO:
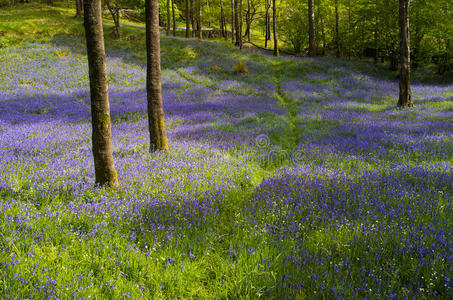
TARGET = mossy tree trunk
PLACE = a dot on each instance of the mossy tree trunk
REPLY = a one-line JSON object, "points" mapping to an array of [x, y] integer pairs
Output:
{"points": [[156, 122], [100, 110], [405, 95]]}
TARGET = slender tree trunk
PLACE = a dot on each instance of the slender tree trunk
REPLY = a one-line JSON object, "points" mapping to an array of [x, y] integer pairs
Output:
{"points": [[173, 15], [376, 28], [249, 21], [100, 110], [337, 31], [405, 95], [114, 10], [192, 17], [323, 35], [168, 18], [222, 21], [156, 121], [232, 20], [236, 22], [79, 8], [266, 23], [274, 26], [311, 29], [240, 24], [208, 10], [187, 19], [200, 9]]}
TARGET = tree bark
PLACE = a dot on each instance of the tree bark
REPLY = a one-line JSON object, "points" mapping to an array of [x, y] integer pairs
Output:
{"points": [[192, 17], [115, 12], [337, 31], [405, 95], [173, 15], [240, 24], [79, 8], [156, 121], [248, 21], [274, 26], [311, 29], [168, 18], [222, 21], [232, 20], [187, 19], [100, 110], [266, 24], [236, 22], [200, 31]]}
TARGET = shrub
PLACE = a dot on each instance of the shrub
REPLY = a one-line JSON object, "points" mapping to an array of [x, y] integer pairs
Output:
{"points": [[240, 68]]}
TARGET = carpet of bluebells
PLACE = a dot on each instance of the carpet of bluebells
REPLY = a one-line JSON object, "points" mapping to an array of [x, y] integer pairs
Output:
{"points": [[297, 179]]}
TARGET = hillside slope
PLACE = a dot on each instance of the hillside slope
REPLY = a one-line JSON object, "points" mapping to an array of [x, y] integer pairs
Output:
{"points": [[297, 179]]}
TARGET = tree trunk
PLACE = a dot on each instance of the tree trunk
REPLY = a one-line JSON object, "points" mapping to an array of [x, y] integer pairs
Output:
{"points": [[222, 23], [79, 8], [249, 21], [274, 26], [187, 19], [100, 110], [311, 29], [168, 18], [376, 28], [114, 10], [156, 122], [337, 31], [236, 22], [200, 31], [173, 15], [323, 35], [240, 24], [405, 95], [266, 24], [232, 20], [192, 17]]}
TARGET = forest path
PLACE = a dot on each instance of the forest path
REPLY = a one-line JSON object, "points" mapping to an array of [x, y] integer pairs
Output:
{"points": [[288, 104]]}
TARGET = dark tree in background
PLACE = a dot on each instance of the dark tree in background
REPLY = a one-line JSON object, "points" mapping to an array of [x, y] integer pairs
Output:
{"points": [[79, 8], [274, 26], [199, 24], [173, 15], [311, 29], [192, 17], [168, 18], [232, 20], [187, 19], [114, 9], [100, 111], [405, 95], [237, 22], [267, 22], [337, 31], [156, 122]]}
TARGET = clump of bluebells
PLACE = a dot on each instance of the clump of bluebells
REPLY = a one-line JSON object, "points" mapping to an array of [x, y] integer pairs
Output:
{"points": [[303, 183]]}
